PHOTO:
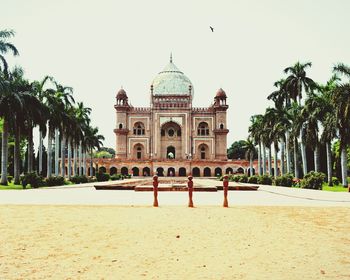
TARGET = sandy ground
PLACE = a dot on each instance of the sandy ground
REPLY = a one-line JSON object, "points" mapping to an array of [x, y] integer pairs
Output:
{"points": [[174, 242]]}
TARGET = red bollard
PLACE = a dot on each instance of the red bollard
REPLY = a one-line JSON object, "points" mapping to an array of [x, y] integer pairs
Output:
{"points": [[225, 184], [190, 191], [155, 190]]}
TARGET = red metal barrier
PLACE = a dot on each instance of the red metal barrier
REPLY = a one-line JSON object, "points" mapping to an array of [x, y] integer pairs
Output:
{"points": [[155, 190], [225, 187], [190, 191]]}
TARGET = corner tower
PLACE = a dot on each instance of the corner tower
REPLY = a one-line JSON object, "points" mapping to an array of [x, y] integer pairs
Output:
{"points": [[121, 131], [220, 107]]}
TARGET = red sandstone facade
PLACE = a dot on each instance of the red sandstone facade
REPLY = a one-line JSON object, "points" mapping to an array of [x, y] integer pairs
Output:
{"points": [[171, 137]]}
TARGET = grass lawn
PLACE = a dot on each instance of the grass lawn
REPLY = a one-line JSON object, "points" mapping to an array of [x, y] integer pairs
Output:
{"points": [[12, 186], [338, 188]]}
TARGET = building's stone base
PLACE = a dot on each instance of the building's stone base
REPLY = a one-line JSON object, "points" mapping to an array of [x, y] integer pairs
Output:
{"points": [[196, 168]]}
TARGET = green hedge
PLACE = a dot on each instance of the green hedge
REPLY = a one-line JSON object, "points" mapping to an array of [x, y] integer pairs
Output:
{"points": [[265, 180], [102, 177], [253, 179], [116, 177], [79, 179], [313, 180], [54, 181], [33, 179], [284, 181], [335, 181]]}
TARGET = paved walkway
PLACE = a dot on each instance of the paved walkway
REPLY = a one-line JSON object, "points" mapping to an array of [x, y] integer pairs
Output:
{"points": [[87, 195]]}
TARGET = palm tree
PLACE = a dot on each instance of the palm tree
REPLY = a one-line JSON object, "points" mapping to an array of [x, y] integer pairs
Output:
{"points": [[31, 111], [9, 101], [83, 119], [92, 140], [255, 130], [294, 85], [312, 114], [41, 93], [249, 154], [341, 102], [328, 121], [296, 126], [280, 96], [282, 102], [19, 109], [5, 47], [269, 135], [277, 123], [66, 100]]}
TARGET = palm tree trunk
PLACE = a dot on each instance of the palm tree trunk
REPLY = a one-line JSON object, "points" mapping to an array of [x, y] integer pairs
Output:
{"points": [[84, 163], [49, 153], [40, 152], [317, 158], [57, 141], [344, 168], [303, 152], [296, 169], [259, 159], [251, 163], [275, 160], [79, 160], [63, 155], [69, 158], [17, 155], [269, 161], [91, 164], [264, 159], [75, 158], [4, 154], [329, 164], [282, 167], [30, 150], [288, 159]]}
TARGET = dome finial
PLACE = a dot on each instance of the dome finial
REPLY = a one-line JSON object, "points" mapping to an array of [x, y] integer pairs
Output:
{"points": [[171, 57]]}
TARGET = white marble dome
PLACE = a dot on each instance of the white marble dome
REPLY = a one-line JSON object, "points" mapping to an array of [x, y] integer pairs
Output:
{"points": [[171, 81]]}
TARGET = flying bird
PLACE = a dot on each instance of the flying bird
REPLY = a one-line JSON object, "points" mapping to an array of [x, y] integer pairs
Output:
{"points": [[212, 29]]}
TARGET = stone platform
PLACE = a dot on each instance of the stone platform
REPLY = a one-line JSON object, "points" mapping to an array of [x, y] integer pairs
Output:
{"points": [[173, 185]]}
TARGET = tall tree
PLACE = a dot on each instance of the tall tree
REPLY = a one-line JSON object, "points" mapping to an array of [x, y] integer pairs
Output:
{"points": [[255, 132], [295, 84], [38, 88], [341, 102], [6, 47], [93, 140], [250, 150]]}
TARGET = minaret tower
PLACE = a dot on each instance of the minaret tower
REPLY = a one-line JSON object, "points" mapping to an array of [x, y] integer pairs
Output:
{"points": [[122, 107], [220, 130]]}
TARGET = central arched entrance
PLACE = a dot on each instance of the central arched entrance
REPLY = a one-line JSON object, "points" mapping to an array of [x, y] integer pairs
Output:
{"points": [[170, 152], [171, 141]]}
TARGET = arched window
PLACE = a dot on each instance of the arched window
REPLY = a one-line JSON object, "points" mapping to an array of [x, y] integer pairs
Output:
{"points": [[221, 126], [203, 129], [139, 129], [203, 151], [139, 153], [120, 126]]}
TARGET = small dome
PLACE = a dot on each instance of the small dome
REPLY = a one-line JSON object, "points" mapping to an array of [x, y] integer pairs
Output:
{"points": [[171, 81], [121, 94], [221, 93]]}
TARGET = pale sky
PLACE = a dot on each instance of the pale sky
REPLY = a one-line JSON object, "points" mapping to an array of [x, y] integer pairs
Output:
{"points": [[98, 46]]}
